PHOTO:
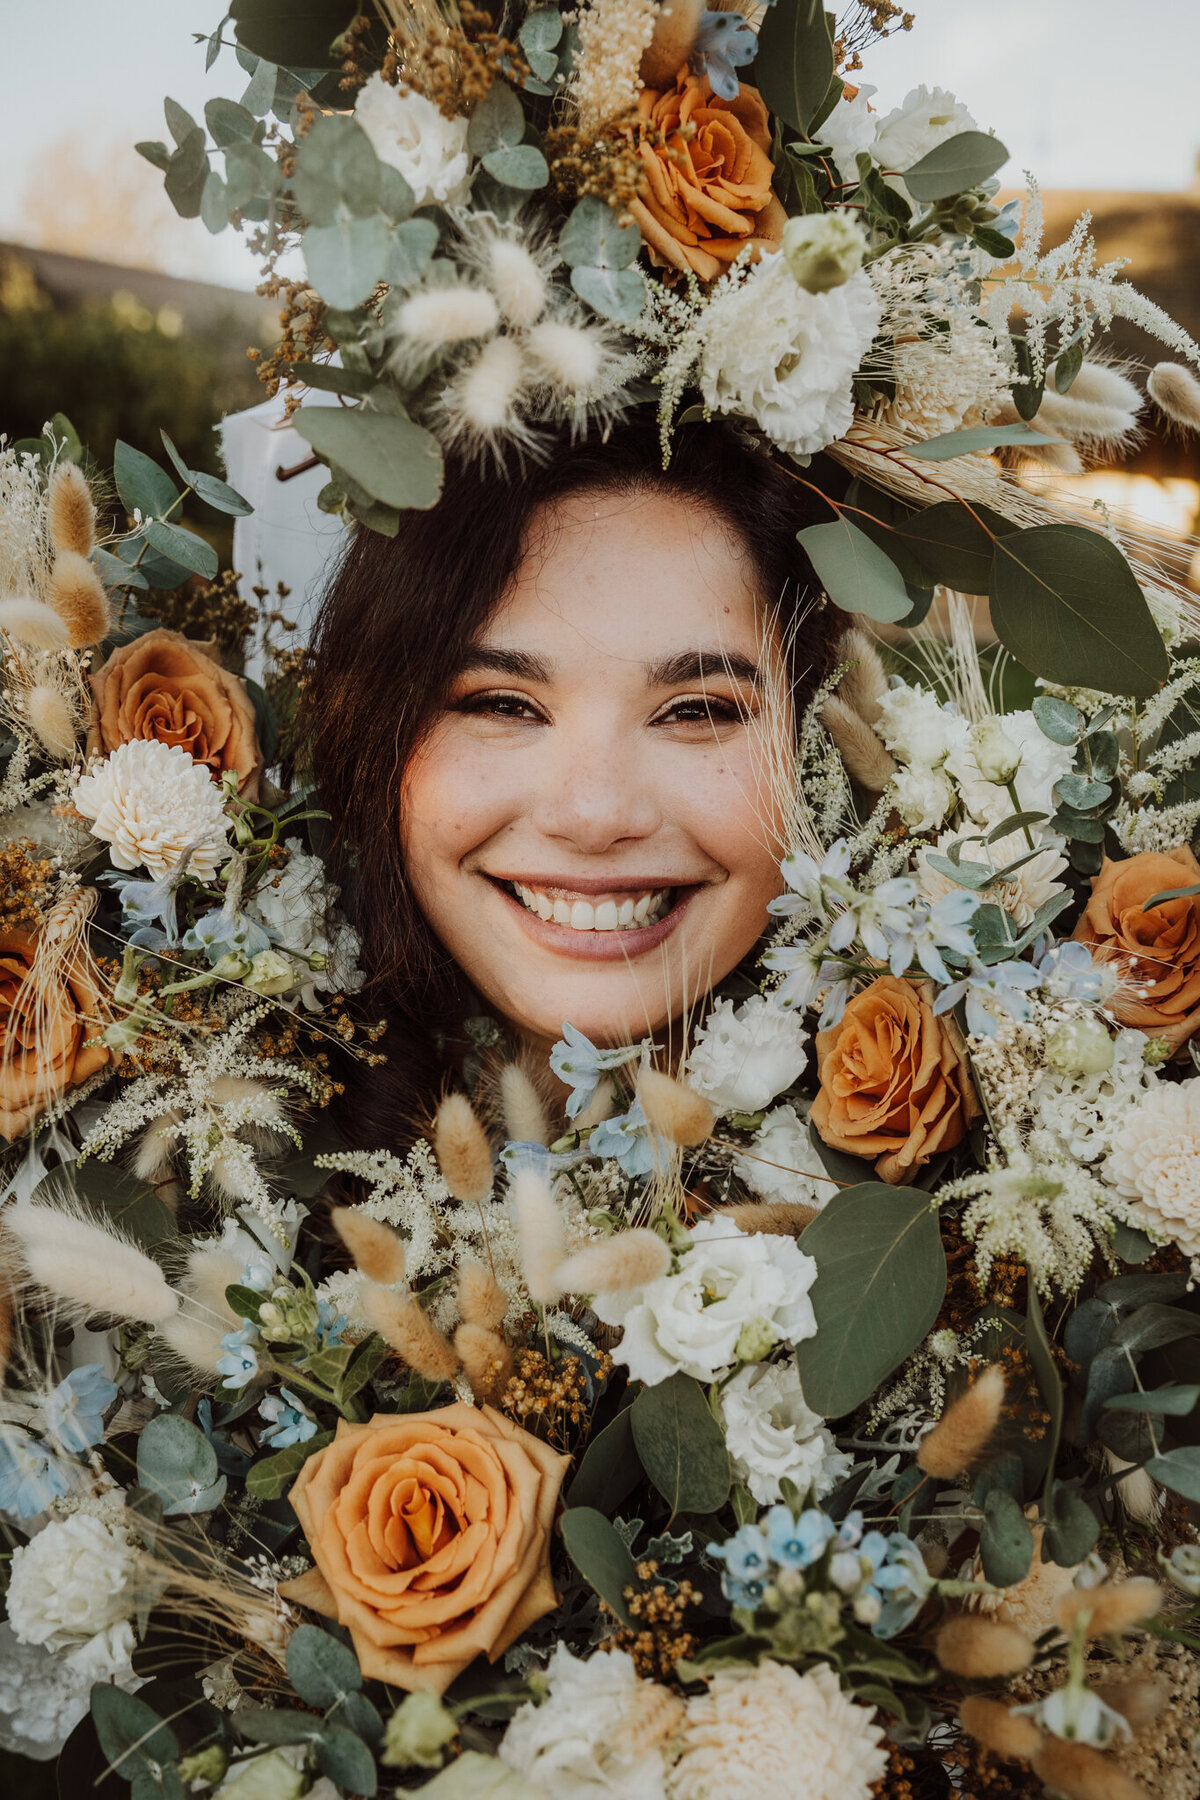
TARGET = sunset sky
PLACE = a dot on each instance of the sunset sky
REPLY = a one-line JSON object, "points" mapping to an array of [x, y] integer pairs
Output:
{"points": [[1087, 93]]}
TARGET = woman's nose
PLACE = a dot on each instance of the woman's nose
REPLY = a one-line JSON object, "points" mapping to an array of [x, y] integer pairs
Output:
{"points": [[595, 792]]}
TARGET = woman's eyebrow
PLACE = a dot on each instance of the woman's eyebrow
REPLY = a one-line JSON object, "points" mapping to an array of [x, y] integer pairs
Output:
{"points": [[520, 664], [696, 665]]}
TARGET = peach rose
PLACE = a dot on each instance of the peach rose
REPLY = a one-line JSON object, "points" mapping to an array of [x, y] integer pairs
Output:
{"points": [[708, 170], [894, 1080], [1158, 951], [164, 686], [43, 1033], [431, 1536]]}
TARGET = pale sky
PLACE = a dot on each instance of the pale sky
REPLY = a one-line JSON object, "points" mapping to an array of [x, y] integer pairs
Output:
{"points": [[1086, 93]]}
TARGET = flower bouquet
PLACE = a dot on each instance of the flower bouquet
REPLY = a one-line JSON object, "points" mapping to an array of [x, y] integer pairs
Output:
{"points": [[813, 1414]]}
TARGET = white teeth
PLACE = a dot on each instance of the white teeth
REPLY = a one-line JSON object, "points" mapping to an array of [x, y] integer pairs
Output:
{"points": [[603, 915]]}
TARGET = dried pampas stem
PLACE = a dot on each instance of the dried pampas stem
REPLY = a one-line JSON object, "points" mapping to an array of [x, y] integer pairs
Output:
{"points": [[61, 958], [964, 1428], [52, 718], [778, 1218], [153, 1161], [1112, 1607], [539, 1229], [1081, 1773], [463, 1153], [1138, 1702], [982, 1649], [1176, 392], [673, 1109], [70, 510], [377, 1250], [675, 30], [864, 683], [78, 597], [33, 623], [405, 1325], [629, 1259], [486, 1359], [999, 1729], [524, 1114], [90, 1267], [867, 760], [481, 1299]]}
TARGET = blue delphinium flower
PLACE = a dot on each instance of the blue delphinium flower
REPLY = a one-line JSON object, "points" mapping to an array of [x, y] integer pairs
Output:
{"points": [[626, 1139], [747, 1565], [1006, 983], [930, 931], [812, 885], [149, 906], [289, 1423], [239, 1364], [903, 1583], [74, 1410], [723, 43], [579, 1064], [30, 1477]]}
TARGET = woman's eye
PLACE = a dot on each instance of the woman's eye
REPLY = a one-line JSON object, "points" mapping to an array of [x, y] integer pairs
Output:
{"points": [[702, 709], [498, 706]]}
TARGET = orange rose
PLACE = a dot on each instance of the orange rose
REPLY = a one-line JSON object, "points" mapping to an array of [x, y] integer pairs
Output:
{"points": [[43, 1029], [163, 686], [894, 1080], [708, 176], [1158, 951], [431, 1536]]}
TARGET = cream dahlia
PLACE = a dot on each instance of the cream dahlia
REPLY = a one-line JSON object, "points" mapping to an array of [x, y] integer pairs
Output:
{"points": [[150, 802], [768, 1730], [1156, 1161]]}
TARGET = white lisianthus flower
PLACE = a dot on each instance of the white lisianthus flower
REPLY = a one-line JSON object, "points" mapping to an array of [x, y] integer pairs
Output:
{"points": [[1155, 1160], [925, 118], [600, 1732], [297, 906], [781, 1164], [785, 358], [70, 1584], [744, 1056], [850, 127], [768, 1731], [917, 728], [773, 1435], [1041, 763], [149, 802], [411, 135], [922, 797], [732, 1299]]}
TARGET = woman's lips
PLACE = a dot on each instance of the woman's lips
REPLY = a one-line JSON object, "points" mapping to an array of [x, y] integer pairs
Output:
{"points": [[599, 946]]}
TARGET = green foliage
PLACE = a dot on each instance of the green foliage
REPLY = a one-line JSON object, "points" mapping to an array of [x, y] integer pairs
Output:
{"points": [[976, 437], [856, 575], [393, 460], [609, 1469], [881, 1277], [136, 1742], [961, 163], [599, 251], [177, 1463], [681, 1446], [601, 1556], [272, 1476], [296, 33], [1005, 1539], [794, 65], [321, 1670]]}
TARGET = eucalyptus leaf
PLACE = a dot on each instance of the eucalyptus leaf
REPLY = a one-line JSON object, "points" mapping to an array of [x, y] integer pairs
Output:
{"points": [[1065, 603], [250, 174], [296, 33], [1005, 1539], [321, 1669], [1067, 365], [976, 437], [855, 573], [1041, 1357], [610, 1468], [795, 61], [1081, 792], [337, 170], [541, 29], [521, 166], [881, 1278], [186, 175], [1058, 719], [681, 1446], [176, 1462], [345, 260], [1173, 1402], [183, 547], [342, 1755], [497, 122], [272, 1476], [593, 237], [132, 1736], [1178, 1470], [601, 1556], [1130, 1244], [277, 1725], [116, 574], [259, 96], [1150, 1327], [156, 152], [397, 462], [180, 122], [954, 545], [142, 485], [955, 166], [214, 203], [1179, 893], [228, 123], [410, 251], [1072, 1531], [219, 495], [614, 293]]}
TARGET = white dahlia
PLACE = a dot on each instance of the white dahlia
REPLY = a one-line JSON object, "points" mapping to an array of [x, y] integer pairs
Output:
{"points": [[769, 1731], [786, 358], [1156, 1161], [150, 802]]}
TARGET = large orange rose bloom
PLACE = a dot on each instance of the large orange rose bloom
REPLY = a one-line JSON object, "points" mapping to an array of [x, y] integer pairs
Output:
{"points": [[164, 686], [431, 1536], [1158, 951], [894, 1080], [43, 1033], [708, 181]]}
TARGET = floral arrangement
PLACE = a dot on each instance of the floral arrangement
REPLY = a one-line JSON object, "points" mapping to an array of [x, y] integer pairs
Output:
{"points": [[813, 1418]]}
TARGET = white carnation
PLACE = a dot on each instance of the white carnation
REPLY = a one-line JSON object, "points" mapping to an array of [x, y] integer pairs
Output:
{"points": [[297, 908], [1042, 763], [744, 1056], [70, 1584], [917, 728], [922, 797], [599, 1732], [149, 802], [42, 1698], [410, 134], [767, 1731], [773, 1435], [925, 118], [785, 358], [732, 1299], [780, 1163]]}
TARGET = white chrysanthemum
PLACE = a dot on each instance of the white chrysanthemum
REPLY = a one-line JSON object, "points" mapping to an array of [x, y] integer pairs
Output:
{"points": [[917, 727], [922, 797], [786, 358], [947, 380], [408, 132], [599, 1733], [770, 1731], [773, 1435], [71, 1583], [732, 1299], [780, 1163], [1156, 1161], [744, 1056], [298, 908], [1042, 763], [1027, 888], [149, 802], [925, 118]]}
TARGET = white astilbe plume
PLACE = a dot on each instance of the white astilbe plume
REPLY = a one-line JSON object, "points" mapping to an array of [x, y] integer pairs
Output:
{"points": [[88, 1266]]}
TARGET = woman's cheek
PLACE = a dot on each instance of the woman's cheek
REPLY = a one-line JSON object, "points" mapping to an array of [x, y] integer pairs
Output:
{"points": [[728, 808], [457, 795]]}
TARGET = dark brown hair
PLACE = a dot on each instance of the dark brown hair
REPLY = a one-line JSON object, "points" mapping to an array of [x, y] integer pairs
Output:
{"points": [[395, 621]]}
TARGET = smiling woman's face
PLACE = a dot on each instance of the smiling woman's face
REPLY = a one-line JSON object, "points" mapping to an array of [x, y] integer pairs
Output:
{"points": [[588, 827]]}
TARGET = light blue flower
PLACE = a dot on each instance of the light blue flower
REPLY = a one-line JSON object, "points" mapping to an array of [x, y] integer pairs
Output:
{"points": [[1068, 973], [813, 886], [723, 43], [1006, 983], [748, 1565], [579, 1064], [74, 1410], [903, 1584], [289, 1422], [932, 930], [226, 932], [797, 1543], [240, 1361], [331, 1324], [30, 1477], [806, 971], [626, 1139]]}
